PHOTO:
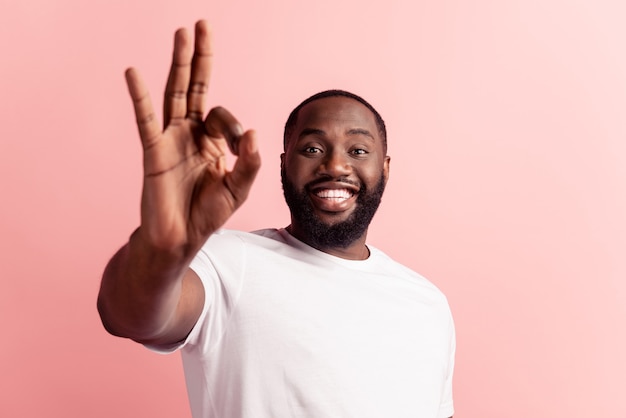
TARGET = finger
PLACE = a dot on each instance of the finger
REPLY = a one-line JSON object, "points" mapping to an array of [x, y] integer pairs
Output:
{"points": [[147, 122], [240, 179], [175, 100], [220, 123], [200, 72]]}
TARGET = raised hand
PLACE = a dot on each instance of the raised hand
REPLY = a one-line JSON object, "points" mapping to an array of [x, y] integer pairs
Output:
{"points": [[148, 293], [188, 193]]}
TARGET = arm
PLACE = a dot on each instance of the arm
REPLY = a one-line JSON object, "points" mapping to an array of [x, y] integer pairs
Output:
{"points": [[147, 292]]}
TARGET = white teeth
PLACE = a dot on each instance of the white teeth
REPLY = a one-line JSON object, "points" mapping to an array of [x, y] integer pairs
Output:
{"points": [[334, 194]]}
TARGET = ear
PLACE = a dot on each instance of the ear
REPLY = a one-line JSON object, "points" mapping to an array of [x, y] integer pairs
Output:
{"points": [[386, 167]]}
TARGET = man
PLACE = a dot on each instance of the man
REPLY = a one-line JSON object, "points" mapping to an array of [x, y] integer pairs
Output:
{"points": [[305, 321]]}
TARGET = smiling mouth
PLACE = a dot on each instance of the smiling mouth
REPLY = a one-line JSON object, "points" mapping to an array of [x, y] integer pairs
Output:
{"points": [[334, 195], [333, 200]]}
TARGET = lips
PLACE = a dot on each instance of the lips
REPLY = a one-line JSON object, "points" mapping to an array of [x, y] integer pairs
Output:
{"points": [[333, 196]]}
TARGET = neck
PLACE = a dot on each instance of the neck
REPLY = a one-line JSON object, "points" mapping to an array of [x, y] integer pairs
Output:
{"points": [[357, 250]]}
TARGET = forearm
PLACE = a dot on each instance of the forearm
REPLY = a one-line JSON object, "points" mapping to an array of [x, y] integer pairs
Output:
{"points": [[140, 291], [148, 292]]}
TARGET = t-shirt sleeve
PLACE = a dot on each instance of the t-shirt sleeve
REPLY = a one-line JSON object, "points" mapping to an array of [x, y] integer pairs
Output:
{"points": [[218, 265], [202, 267], [446, 407]]}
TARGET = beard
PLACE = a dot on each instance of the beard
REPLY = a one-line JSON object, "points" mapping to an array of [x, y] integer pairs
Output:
{"points": [[337, 235]]}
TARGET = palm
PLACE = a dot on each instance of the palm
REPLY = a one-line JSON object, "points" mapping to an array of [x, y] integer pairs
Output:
{"points": [[188, 192]]}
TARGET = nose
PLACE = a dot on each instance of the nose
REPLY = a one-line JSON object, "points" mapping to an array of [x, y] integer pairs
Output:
{"points": [[335, 164]]}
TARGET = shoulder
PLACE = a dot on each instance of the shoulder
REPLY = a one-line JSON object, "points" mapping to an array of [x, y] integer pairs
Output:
{"points": [[230, 239], [403, 273], [227, 246], [260, 236]]}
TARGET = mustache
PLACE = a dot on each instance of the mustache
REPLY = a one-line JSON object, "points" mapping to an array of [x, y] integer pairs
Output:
{"points": [[342, 179]]}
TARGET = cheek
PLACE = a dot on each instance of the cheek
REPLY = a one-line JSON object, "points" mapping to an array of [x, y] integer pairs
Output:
{"points": [[299, 168], [295, 175], [371, 173]]}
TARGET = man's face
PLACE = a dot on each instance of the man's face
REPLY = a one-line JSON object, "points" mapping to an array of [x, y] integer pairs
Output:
{"points": [[334, 171]]}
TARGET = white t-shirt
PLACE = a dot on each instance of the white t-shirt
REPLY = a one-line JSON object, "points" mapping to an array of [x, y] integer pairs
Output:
{"points": [[290, 331]]}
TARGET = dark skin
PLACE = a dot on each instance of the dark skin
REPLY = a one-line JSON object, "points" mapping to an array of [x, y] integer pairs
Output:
{"points": [[148, 293], [335, 146]]}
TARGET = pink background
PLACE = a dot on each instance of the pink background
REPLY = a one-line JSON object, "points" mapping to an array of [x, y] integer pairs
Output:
{"points": [[508, 178]]}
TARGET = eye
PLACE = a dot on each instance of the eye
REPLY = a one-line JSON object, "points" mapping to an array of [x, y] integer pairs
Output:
{"points": [[359, 151], [311, 150]]}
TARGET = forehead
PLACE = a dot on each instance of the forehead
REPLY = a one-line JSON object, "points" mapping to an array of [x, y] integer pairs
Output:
{"points": [[336, 113]]}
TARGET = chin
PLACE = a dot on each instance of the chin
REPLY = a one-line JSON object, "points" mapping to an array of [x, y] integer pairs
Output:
{"points": [[343, 229]]}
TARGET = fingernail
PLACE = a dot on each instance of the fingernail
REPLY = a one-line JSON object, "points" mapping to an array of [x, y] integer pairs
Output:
{"points": [[252, 145], [238, 130]]}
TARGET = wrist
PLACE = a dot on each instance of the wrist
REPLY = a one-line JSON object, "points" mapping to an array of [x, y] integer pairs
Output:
{"points": [[157, 261]]}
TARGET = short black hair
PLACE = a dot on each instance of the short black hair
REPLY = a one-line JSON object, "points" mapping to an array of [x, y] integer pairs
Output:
{"points": [[290, 125]]}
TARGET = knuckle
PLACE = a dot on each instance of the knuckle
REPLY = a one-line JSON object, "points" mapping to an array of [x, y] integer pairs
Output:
{"points": [[149, 141], [146, 119], [176, 120], [176, 94], [194, 114], [198, 87], [180, 63], [217, 110]]}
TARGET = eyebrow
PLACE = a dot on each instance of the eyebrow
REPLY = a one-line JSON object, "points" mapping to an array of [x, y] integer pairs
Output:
{"points": [[311, 131], [360, 131], [319, 132]]}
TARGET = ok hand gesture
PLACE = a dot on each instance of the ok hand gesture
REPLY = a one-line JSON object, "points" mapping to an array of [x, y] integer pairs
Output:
{"points": [[188, 193]]}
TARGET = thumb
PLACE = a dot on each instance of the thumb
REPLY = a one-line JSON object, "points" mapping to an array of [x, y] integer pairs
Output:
{"points": [[246, 167]]}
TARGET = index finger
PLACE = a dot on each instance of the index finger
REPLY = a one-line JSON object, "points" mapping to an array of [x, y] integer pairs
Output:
{"points": [[200, 71], [220, 123]]}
